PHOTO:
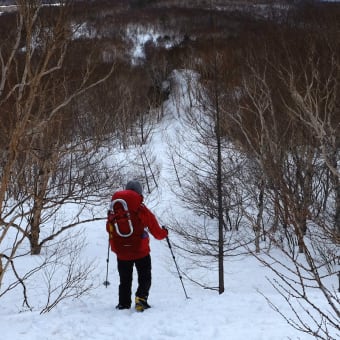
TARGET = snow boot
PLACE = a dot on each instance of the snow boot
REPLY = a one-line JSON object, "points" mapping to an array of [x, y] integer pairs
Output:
{"points": [[141, 304], [121, 306]]}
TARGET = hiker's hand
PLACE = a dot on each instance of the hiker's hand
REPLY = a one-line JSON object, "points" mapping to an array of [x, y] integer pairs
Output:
{"points": [[166, 229]]}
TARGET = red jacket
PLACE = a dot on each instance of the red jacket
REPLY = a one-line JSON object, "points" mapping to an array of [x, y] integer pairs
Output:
{"points": [[137, 245]]}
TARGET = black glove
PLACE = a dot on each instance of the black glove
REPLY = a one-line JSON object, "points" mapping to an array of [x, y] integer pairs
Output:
{"points": [[164, 227]]}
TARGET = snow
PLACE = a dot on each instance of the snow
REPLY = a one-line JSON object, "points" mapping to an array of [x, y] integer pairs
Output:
{"points": [[140, 35], [240, 313]]}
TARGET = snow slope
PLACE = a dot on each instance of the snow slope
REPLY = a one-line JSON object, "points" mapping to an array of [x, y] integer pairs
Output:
{"points": [[241, 313]]}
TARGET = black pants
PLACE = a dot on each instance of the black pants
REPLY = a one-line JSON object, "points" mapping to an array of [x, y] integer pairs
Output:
{"points": [[125, 269]]}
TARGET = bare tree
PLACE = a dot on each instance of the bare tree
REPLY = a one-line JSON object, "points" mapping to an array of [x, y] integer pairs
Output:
{"points": [[46, 159], [67, 275], [284, 104], [207, 168], [58, 274]]}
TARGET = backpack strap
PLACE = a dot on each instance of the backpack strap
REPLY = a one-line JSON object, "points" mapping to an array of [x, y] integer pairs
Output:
{"points": [[125, 213]]}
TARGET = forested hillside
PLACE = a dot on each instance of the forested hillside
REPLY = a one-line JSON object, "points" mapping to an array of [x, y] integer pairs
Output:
{"points": [[82, 82]]}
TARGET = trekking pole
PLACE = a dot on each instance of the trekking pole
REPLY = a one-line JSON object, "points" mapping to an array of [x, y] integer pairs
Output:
{"points": [[106, 282], [179, 274]]}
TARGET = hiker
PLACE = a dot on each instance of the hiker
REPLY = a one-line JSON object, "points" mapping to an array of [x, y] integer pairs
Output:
{"points": [[128, 223]]}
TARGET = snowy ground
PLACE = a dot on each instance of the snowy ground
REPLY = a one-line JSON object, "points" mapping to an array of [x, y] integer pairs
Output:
{"points": [[238, 314], [241, 313]]}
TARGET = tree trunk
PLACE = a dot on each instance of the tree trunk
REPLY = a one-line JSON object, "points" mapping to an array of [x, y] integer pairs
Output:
{"points": [[38, 206], [259, 217], [1, 270], [336, 183], [35, 229], [219, 184], [337, 211]]}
